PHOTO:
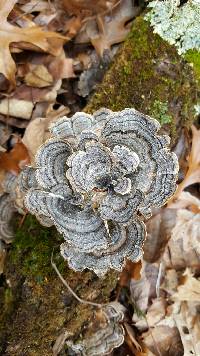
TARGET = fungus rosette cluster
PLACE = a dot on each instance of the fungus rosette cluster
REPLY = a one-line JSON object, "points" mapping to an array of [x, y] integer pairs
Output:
{"points": [[95, 180]]}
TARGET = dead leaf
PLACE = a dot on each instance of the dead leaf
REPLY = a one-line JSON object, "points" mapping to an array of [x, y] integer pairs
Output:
{"points": [[5, 132], [176, 257], [87, 7], [15, 159], [170, 282], [186, 200], [130, 271], [186, 318], [187, 229], [10, 34], [62, 67], [17, 108], [72, 26], [190, 290], [38, 77], [131, 339], [163, 341], [188, 323], [143, 291], [36, 134], [104, 31], [159, 228], [193, 173], [35, 5]]}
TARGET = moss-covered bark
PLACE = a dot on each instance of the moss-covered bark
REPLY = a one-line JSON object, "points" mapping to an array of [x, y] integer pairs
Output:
{"points": [[149, 75]]}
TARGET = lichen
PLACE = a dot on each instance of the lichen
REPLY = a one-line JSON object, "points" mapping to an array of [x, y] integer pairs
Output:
{"points": [[176, 23]]}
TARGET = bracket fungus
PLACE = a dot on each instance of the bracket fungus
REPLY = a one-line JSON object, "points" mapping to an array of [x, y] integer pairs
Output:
{"points": [[6, 213], [96, 179], [109, 334]]}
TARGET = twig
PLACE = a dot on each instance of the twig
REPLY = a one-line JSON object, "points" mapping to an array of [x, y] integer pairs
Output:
{"points": [[158, 280], [80, 300]]}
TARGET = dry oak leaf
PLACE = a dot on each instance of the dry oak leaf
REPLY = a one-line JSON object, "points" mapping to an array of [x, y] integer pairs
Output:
{"points": [[12, 34], [15, 159]]}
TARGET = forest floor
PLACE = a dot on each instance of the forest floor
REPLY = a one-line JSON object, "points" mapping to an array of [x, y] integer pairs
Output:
{"points": [[82, 58]]}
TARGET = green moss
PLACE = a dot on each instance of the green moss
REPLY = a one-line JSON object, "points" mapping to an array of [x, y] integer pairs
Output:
{"points": [[160, 111], [193, 57], [148, 70], [32, 249], [8, 298]]}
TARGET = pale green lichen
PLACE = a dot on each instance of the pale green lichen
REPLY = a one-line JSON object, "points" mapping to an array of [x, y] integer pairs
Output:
{"points": [[177, 24]]}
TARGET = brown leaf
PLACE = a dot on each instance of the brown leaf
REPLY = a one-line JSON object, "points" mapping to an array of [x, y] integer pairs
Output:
{"points": [[190, 290], [163, 341], [61, 67], [130, 271], [143, 291], [183, 248], [185, 317], [131, 339], [159, 229], [106, 31], [86, 7], [186, 200], [187, 228], [193, 173], [18, 108], [5, 133], [176, 257], [38, 77], [36, 134], [10, 34], [15, 159]]}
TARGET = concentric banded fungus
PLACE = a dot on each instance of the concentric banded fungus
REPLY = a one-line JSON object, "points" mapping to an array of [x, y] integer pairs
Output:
{"points": [[109, 336], [6, 213], [95, 179]]}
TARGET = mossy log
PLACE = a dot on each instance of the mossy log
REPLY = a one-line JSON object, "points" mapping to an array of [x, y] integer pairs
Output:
{"points": [[149, 75]]}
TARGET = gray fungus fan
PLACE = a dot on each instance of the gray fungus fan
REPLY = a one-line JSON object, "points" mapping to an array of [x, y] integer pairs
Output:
{"points": [[95, 180]]}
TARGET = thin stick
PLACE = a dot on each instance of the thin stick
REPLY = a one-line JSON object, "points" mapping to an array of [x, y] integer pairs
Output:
{"points": [[80, 300], [158, 280]]}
